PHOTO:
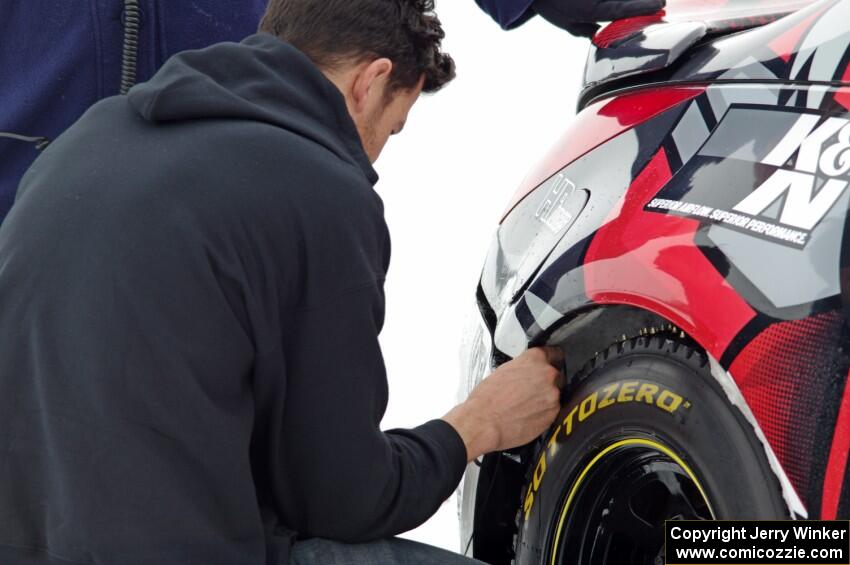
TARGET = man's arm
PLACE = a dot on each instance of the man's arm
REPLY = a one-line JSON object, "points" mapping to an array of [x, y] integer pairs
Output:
{"points": [[332, 472], [340, 476], [513, 406], [508, 13], [579, 17]]}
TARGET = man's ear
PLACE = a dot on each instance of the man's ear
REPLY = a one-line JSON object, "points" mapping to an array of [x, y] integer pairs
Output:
{"points": [[370, 83]]}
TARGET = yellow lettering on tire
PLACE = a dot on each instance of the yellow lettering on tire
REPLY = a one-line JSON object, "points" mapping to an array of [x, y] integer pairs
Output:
{"points": [[552, 440], [588, 407], [609, 399], [669, 401], [647, 391], [568, 421], [615, 393], [627, 391], [539, 471]]}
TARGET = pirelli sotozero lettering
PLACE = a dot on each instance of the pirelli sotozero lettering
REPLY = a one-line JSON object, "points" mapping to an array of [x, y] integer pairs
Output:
{"points": [[644, 392]]}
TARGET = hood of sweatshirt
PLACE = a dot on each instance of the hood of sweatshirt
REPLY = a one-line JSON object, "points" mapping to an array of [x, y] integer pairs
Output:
{"points": [[262, 79]]}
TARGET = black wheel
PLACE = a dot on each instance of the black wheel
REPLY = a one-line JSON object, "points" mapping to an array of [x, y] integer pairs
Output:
{"points": [[646, 435]]}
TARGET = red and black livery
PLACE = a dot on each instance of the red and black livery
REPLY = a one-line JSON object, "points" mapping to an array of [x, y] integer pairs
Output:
{"points": [[687, 239]]}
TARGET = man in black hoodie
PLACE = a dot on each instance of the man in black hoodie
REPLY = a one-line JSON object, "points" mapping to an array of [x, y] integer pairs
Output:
{"points": [[191, 290]]}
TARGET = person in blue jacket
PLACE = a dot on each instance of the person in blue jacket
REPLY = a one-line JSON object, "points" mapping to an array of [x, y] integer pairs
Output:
{"points": [[578, 17], [58, 58]]}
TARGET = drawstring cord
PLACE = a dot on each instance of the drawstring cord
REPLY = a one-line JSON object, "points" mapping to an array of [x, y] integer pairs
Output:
{"points": [[129, 61], [40, 143]]}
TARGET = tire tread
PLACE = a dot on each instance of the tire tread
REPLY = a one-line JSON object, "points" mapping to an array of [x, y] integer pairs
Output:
{"points": [[665, 342]]}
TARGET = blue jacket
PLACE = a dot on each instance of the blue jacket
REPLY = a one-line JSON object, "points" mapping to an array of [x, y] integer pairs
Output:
{"points": [[60, 57], [508, 13]]}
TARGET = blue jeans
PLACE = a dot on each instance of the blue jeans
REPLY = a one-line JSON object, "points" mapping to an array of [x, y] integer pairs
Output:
{"points": [[393, 551]]}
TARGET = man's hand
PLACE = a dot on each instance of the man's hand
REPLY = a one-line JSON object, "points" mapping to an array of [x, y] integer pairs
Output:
{"points": [[579, 17], [512, 406]]}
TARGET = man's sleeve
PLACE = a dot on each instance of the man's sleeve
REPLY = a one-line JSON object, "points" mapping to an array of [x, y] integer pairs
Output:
{"points": [[339, 476], [508, 13]]}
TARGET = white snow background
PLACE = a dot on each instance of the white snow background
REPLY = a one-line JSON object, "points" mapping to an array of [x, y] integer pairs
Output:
{"points": [[445, 182]]}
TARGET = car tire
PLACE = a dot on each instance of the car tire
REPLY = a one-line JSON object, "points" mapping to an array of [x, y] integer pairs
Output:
{"points": [[645, 435]]}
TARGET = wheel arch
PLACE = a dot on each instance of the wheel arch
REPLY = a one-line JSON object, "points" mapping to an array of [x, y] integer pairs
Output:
{"points": [[595, 328], [582, 334]]}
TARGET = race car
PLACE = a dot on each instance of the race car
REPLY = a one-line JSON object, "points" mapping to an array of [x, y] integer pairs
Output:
{"points": [[686, 243]]}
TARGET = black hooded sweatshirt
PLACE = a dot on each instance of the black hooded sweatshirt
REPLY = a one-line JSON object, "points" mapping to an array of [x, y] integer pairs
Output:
{"points": [[191, 291]]}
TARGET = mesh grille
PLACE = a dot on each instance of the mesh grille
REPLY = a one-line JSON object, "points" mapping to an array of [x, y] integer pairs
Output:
{"points": [[791, 376]]}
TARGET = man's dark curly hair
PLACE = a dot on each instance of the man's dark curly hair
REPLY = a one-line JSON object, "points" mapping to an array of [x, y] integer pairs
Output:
{"points": [[331, 32]]}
